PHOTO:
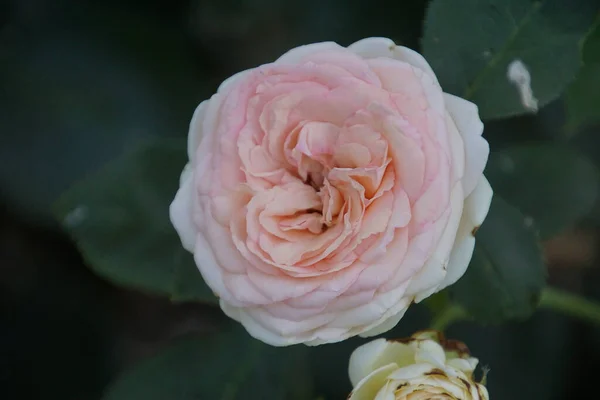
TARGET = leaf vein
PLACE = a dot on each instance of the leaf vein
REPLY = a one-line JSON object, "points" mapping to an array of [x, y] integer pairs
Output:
{"points": [[476, 83]]}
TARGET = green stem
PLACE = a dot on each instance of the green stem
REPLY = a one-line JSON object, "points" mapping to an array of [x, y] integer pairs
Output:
{"points": [[570, 304], [447, 317]]}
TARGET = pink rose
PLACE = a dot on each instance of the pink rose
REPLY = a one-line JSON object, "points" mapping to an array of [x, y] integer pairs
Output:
{"points": [[329, 190]]}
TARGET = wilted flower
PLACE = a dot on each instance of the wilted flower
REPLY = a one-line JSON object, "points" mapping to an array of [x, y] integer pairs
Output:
{"points": [[425, 366]]}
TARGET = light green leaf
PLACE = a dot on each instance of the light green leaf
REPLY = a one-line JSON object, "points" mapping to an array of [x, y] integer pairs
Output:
{"points": [[583, 96], [119, 218], [228, 366], [471, 44], [550, 184], [507, 273]]}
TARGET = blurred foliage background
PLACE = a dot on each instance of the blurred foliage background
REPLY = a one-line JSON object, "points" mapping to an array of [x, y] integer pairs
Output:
{"points": [[82, 82]]}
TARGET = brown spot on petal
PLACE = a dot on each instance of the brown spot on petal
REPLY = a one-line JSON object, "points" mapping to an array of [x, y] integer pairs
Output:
{"points": [[434, 335], [474, 231], [466, 383], [401, 340], [435, 371], [437, 335], [457, 346]]}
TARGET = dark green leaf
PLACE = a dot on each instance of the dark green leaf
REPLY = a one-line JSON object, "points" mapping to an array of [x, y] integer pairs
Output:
{"points": [[119, 218], [470, 46], [583, 96], [231, 365], [507, 272], [437, 302], [550, 183], [102, 88]]}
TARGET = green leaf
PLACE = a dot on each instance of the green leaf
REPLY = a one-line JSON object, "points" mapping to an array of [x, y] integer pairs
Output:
{"points": [[549, 183], [507, 273], [583, 95], [106, 91], [119, 218], [470, 46], [438, 302], [228, 366]]}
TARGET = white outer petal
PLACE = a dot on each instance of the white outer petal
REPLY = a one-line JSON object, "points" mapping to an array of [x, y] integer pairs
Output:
{"points": [[466, 365], [364, 358], [232, 79], [466, 117], [386, 392], [254, 329], [411, 371], [298, 54], [383, 47], [484, 392], [386, 325], [428, 280], [197, 124], [180, 210], [329, 332], [371, 385], [396, 303], [195, 133], [430, 352], [476, 208], [377, 353]]}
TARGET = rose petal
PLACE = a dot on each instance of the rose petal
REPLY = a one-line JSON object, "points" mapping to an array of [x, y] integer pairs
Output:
{"points": [[181, 210], [195, 133], [325, 190], [375, 47], [300, 53], [466, 117], [474, 212], [429, 351], [371, 384], [376, 354], [426, 282]]}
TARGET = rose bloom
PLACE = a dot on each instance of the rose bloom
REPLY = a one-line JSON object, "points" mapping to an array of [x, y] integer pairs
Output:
{"points": [[330, 189], [425, 366]]}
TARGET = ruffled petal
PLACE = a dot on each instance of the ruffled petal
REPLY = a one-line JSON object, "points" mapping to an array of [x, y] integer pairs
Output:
{"points": [[474, 213], [466, 117], [181, 211], [376, 47]]}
